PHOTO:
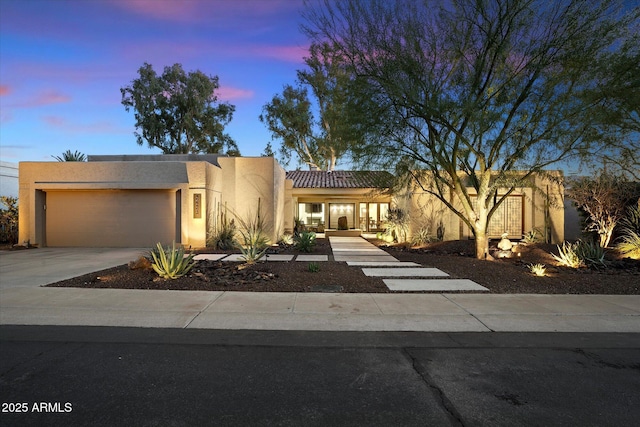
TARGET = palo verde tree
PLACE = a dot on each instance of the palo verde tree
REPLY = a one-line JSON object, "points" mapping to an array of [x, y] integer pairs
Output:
{"points": [[470, 99], [321, 139], [604, 199], [179, 112], [619, 118]]}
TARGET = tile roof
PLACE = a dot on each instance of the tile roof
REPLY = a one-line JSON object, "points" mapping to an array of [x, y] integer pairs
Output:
{"points": [[339, 179]]}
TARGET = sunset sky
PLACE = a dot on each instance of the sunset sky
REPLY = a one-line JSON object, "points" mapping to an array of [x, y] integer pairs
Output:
{"points": [[63, 62]]}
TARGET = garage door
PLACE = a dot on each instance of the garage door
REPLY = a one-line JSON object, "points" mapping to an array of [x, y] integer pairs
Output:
{"points": [[105, 218]]}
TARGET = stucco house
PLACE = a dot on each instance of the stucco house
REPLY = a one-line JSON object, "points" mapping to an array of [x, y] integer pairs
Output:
{"points": [[136, 201]]}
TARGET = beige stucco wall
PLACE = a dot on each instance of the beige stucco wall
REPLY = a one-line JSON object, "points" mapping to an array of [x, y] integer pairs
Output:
{"points": [[237, 183], [245, 180], [426, 210]]}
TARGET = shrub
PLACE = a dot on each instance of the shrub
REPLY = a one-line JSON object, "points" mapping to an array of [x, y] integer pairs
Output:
{"points": [[314, 267], [568, 256], [9, 220], [629, 244], [537, 269], [533, 236], [422, 237], [224, 238], [224, 235], [591, 253], [397, 225], [305, 241], [255, 241], [286, 239], [580, 254], [170, 263]]}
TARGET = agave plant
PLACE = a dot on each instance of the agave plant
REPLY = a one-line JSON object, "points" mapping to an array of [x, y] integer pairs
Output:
{"points": [[170, 262], [568, 255], [537, 269], [305, 241]]}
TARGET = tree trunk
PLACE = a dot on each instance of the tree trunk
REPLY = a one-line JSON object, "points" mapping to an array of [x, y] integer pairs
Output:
{"points": [[482, 246]]}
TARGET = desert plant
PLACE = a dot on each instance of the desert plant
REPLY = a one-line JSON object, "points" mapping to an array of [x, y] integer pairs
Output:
{"points": [[568, 255], [223, 235], [629, 245], [286, 239], [591, 253], [170, 262], [9, 220], [255, 241], [537, 269], [305, 241], [423, 236], [68, 156], [314, 267], [397, 225], [532, 236]]}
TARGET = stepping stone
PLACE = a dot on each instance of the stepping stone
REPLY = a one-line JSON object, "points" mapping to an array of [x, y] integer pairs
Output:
{"points": [[312, 258], [209, 257], [386, 258], [434, 285], [404, 272], [236, 258], [359, 253], [277, 257], [382, 264]]}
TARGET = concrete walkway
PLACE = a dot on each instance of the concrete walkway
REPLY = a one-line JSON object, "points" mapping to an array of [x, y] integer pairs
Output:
{"points": [[24, 302]]}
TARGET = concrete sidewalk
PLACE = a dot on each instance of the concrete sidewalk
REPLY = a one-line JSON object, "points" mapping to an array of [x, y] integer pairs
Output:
{"points": [[320, 311], [24, 302]]}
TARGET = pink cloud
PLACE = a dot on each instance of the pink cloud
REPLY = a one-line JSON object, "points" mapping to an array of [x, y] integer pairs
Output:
{"points": [[216, 12], [5, 90], [230, 93], [101, 127], [283, 53], [46, 97]]}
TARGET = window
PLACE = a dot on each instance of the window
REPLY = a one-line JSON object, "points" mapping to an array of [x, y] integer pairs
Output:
{"points": [[337, 210], [311, 214]]}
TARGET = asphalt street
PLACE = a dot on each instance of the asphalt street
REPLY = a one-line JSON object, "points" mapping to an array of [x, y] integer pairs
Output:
{"points": [[104, 376]]}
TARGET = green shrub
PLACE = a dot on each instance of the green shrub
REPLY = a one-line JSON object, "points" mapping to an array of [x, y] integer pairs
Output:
{"points": [[305, 241], [591, 253], [224, 238], [314, 267], [537, 269], [169, 262], [580, 254], [422, 237], [629, 246], [533, 236], [568, 255], [9, 220], [396, 225], [286, 239], [255, 241]]}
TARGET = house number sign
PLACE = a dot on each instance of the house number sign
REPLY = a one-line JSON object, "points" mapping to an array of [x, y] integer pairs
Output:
{"points": [[197, 205]]}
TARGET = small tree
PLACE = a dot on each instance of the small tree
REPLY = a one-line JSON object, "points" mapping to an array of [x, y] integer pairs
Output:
{"points": [[179, 112], [68, 156], [604, 199]]}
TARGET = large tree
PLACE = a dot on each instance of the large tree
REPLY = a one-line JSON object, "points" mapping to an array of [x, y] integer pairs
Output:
{"points": [[317, 130], [470, 99], [179, 112]]}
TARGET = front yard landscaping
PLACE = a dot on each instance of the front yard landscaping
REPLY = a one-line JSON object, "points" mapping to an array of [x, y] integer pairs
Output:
{"points": [[512, 275]]}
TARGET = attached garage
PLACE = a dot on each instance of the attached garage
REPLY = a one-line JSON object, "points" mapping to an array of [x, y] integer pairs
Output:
{"points": [[111, 218]]}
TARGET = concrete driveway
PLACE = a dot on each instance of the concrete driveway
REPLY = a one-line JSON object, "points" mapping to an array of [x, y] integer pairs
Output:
{"points": [[37, 267]]}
